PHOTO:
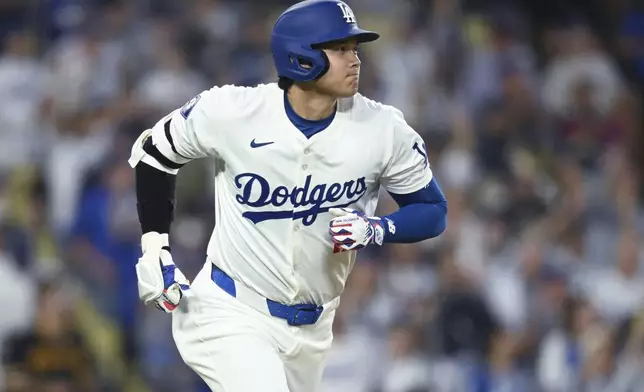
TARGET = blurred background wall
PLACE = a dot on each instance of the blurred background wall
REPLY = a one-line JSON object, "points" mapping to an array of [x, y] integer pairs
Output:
{"points": [[532, 115]]}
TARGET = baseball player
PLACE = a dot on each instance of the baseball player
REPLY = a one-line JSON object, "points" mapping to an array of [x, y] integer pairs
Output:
{"points": [[299, 166]]}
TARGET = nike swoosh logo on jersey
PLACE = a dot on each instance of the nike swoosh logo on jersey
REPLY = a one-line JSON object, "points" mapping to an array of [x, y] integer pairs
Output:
{"points": [[254, 144]]}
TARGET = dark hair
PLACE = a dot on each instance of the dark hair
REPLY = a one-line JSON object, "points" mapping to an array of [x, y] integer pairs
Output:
{"points": [[284, 83]]}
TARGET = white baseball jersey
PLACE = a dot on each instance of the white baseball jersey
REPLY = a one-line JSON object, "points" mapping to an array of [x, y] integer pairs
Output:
{"points": [[274, 186]]}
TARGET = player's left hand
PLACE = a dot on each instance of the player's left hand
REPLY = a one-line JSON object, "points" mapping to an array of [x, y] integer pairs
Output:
{"points": [[352, 230]]}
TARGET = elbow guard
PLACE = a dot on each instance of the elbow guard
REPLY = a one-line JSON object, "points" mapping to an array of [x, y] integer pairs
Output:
{"points": [[155, 192]]}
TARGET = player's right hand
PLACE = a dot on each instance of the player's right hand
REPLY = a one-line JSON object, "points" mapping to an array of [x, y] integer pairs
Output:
{"points": [[159, 280]]}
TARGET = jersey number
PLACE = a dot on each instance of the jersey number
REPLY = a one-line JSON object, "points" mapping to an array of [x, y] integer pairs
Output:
{"points": [[187, 108], [420, 148]]}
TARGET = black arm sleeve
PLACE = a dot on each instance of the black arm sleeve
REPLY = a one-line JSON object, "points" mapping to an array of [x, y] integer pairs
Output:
{"points": [[155, 198]]}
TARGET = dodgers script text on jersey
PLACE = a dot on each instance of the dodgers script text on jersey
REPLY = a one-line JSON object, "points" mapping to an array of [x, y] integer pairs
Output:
{"points": [[317, 198]]}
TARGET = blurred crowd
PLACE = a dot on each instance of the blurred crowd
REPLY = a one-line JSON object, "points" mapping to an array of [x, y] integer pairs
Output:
{"points": [[532, 117]]}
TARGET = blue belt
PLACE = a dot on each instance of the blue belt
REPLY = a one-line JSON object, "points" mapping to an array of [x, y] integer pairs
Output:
{"points": [[303, 314]]}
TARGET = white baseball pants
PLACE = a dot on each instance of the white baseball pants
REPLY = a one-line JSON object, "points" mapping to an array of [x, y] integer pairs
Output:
{"points": [[235, 348]]}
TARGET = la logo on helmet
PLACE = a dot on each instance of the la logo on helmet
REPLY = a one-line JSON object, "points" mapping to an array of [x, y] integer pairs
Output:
{"points": [[347, 13]]}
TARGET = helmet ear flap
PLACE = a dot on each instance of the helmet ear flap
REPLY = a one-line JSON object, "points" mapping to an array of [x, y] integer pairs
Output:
{"points": [[285, 83], [307, 64]]}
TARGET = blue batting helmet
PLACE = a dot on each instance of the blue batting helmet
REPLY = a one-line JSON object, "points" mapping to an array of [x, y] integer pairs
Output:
{"points": [[305, 25]]}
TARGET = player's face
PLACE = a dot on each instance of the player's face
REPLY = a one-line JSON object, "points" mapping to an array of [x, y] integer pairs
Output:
{"points": [[343, 77]]}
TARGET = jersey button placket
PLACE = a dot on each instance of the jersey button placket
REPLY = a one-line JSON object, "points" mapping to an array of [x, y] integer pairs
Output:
{"points": [[303, 174], [296, 229], [307, 151]]}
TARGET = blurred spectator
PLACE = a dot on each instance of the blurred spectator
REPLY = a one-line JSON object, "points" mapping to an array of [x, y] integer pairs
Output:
{"points": [[628, 364], [104, 243], [579, 58], [404, 69], [169, 85], [617, 293], [407, 278], [562, 355], [511, 289], [464, 321], [501, 372], [23, 80], [18, 285], [406, 365], [85, 69], [496, 50], [51, 356], [355, 359], [79, 143]]}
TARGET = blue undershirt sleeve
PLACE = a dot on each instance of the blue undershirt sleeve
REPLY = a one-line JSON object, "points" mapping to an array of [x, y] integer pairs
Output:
{"points": [[422, 215]]}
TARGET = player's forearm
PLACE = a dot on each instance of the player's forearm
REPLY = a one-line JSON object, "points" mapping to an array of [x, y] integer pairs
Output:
{"points": [[422, 215], [155, 192], [416, 222], [156, 162]]}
